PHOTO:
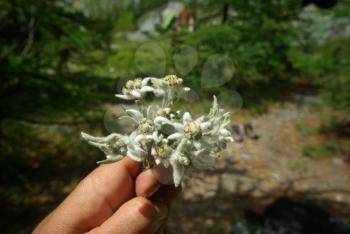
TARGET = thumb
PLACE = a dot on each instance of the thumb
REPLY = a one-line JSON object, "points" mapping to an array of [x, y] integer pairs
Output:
{"points": [[138, 215]]}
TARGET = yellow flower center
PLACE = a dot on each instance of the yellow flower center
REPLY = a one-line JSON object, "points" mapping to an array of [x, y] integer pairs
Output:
{"points": [[173, 80], [147, 127], [184, 160], [117, 146], [137, 83], [161, 112], [132, 84], [192, 131], [163, 150]]}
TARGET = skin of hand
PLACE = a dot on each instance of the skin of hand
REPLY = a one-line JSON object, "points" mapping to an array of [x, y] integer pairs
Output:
{"points": [[114, 198]]}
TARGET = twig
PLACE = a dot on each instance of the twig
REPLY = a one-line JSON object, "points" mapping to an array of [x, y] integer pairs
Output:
{"points": [[30, 39], [45, 122]]}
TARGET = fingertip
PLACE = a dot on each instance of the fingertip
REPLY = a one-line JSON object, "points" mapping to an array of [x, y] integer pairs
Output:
{"points": [[149, 185], [138, 215], [150, 215], [163, 174], [151, 210], [146, 184], [166, 193], [132, 166]]}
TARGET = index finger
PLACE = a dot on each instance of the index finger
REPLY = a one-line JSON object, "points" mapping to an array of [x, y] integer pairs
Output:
{"points": [[95, 198]]}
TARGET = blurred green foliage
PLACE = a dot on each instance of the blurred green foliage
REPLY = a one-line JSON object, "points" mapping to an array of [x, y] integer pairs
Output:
{"points": [[62, 61], [47, 94], [256, 37], [328, 66], [316, 151]]}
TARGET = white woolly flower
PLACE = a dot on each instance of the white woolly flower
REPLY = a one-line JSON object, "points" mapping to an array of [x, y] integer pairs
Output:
{"points": [[113, 145], [170, 87], [144, 122], [135, 149], [161, 150], [179, 162], [190, 129], [135, 89], [163, 136], [219, 120], [140, 137]]}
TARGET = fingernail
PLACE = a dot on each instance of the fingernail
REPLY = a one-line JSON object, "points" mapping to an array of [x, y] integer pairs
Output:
{"points": [[162, 213], [152, 191], [163, 174], [161, 209]]}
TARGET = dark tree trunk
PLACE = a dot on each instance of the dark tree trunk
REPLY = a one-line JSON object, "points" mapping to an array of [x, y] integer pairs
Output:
{"points": [[225, 12]]}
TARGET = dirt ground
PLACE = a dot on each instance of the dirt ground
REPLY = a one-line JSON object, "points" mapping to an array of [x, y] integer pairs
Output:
{"points": [[256, 172]]}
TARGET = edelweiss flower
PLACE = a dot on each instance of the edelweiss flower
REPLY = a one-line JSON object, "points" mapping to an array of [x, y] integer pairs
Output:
{"points": [[135, 89], [192, 130], [144, 123], [163, 136], [170, 87], [138, 140], [113, 145], [169, 81], [179, 162], [161, 150], [135, 149], [168, 113], [219, 132]]}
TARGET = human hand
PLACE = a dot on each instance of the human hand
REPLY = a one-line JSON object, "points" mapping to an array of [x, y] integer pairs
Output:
{"points": [[114, 198]]}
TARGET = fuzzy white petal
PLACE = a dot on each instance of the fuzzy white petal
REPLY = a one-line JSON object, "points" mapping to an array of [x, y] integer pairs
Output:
{"points": [[167, 110], [125, 97], [177, 126], [175, 136], [186, 117], [145, 81], [225, 132], [140, 138], [146, 89], [159, 120], [178, 171], [158, 92], [111, 159], [135, 93], [135, 152], [136, 114], [205, 126], [134, 156]]}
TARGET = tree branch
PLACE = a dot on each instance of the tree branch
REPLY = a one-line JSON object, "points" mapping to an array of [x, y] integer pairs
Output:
{"points": [[44, 122], [30, 39]]}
